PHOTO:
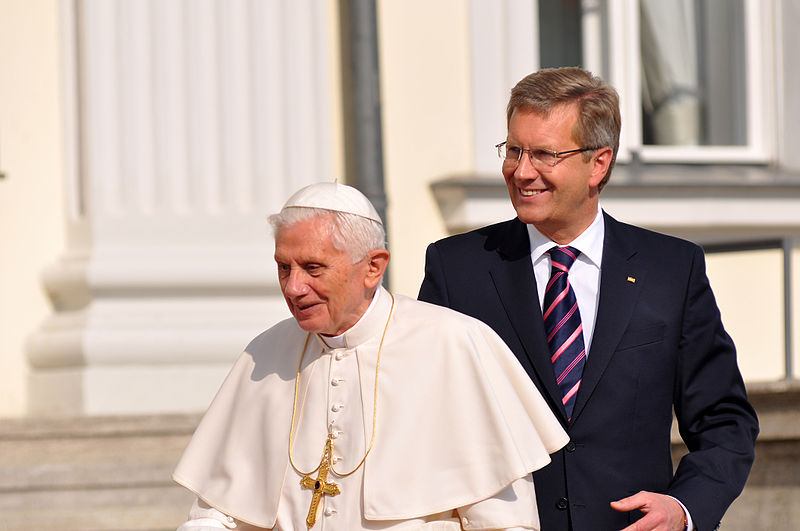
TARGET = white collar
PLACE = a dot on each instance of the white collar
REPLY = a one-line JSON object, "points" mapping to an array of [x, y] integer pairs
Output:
{"points": [[369, 326], [589, 242]]}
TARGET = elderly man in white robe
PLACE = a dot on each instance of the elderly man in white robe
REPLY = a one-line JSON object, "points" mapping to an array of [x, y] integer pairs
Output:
{"points": [[365, 410]]}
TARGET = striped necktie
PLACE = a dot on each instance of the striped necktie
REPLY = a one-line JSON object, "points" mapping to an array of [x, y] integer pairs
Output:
{"points": [[562, 323]]}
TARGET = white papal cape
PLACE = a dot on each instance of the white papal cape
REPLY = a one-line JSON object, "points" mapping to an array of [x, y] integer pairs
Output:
{"points": [[457, 422]]}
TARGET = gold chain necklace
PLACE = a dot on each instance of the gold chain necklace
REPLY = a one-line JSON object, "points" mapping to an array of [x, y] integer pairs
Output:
{"points": [[321, 486]]}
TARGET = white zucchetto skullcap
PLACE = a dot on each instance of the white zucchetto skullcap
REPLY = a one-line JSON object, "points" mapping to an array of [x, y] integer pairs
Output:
{"points": [[335, 197]]}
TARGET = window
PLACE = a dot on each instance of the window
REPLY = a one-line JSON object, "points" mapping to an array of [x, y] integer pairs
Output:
{"points": [[693, 75]]}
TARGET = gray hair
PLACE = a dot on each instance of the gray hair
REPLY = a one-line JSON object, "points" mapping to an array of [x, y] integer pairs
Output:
{"points": [[356, 235]]}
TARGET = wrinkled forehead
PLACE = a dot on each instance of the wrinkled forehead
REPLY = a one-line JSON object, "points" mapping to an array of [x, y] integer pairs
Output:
{"points": [[560, 121], [306, 235], [312, 220]]}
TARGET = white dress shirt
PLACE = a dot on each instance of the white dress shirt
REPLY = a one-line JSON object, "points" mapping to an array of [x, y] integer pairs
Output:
{"points": [[584, 275]]}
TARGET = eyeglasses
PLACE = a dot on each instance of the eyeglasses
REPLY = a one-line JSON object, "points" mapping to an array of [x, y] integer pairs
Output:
{"points": [[544, 157]]}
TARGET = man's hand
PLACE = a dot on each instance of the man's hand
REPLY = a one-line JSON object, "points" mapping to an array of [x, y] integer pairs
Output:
{"points": [[661, 513]]}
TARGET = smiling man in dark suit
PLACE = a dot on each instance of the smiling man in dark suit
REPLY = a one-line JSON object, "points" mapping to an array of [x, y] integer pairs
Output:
{"points": [[616, 325]]}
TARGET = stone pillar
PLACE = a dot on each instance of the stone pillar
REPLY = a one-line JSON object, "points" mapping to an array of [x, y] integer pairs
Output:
{"points": [[189, 122]]}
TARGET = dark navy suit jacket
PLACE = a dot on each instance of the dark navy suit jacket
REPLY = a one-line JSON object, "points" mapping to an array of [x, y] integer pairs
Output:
{"points": [[658, 346]]}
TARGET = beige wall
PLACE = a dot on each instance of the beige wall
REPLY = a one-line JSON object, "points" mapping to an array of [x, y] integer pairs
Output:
{"points": [[31, 199], [752, 308], [426, 117]]}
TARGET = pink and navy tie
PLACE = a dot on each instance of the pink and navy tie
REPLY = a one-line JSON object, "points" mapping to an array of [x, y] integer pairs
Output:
{"points": [[562, 323]]}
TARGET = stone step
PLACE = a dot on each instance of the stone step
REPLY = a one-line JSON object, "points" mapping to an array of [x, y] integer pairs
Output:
{"points": [[92, 473], [113, 473]]}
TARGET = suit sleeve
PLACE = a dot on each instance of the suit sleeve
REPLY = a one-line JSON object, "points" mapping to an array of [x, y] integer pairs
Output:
{"points": [[716, 421], [434, 285]]}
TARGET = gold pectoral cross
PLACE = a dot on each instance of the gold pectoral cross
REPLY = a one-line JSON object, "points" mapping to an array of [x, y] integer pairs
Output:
{"points": [[320, 486]]}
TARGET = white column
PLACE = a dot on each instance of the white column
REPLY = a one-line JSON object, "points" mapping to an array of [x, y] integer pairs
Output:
{"points": [[188, 123]]}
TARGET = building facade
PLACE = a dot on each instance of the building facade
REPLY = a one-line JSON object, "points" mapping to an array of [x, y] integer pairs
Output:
{"points": [[143, 143]]}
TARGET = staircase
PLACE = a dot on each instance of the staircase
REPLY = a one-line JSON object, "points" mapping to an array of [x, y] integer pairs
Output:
{"points": [[92, 474]]}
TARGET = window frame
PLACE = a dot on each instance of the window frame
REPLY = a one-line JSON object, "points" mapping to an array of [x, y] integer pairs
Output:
{"points": [[759, 73], [504, 38]]}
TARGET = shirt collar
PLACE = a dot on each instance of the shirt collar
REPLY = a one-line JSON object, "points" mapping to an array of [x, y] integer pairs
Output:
{"points": [[589, 242]]}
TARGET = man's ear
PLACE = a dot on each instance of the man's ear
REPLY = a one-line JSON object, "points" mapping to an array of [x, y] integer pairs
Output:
{"points": [[600, 163], [377, 261]]}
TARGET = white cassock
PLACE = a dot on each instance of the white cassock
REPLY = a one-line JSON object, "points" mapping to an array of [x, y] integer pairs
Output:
{"points": [[459, 427]]}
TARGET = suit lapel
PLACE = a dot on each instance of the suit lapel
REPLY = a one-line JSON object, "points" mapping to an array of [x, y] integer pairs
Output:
{"points": [[515, 283], [620, 281]]}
